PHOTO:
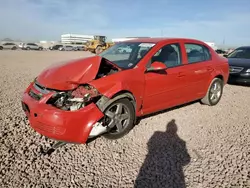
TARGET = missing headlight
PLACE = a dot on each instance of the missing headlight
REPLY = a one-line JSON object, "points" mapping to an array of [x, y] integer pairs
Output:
{"points": [[76, 99]]}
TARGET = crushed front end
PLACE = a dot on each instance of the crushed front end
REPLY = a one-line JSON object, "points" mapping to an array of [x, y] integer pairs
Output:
{"points": [[67, 116]]}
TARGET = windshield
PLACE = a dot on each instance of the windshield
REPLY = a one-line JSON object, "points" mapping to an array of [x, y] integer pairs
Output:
{"points": [[100, 38], [240, 53], [127, 54]]}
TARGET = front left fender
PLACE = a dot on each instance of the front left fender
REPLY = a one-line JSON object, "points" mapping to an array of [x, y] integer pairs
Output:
{"points": [[112, 89]]}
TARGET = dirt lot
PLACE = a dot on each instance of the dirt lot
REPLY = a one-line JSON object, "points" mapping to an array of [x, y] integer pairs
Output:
{"points": [[210, 149]]}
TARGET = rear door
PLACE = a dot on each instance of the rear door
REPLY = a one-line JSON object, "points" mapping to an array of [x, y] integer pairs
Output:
{"points": [[199, 67], [33, 46], [11, 45]]}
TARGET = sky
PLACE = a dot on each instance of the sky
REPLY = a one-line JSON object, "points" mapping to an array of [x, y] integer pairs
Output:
{"points": [[207, 20]]}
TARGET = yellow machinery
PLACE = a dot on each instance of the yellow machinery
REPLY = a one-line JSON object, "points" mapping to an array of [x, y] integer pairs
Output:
{"points": [[98, 44]]}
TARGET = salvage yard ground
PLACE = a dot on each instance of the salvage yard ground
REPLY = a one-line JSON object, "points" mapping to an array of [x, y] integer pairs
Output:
{"points": [[211, 147]]}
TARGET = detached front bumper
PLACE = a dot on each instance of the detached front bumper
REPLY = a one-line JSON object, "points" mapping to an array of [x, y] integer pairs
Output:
{"points": [[67, 126]]}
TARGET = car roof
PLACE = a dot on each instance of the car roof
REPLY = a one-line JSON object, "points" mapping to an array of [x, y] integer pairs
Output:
{"points": [[243, 47], [160, 39]]}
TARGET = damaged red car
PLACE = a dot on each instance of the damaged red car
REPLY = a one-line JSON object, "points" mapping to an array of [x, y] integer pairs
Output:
{"points": [[105, 94]]}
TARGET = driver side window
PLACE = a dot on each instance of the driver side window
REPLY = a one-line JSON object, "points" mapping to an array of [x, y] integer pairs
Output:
{"points": [[169, 54]]}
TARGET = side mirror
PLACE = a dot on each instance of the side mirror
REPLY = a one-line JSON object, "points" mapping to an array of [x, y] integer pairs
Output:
{"points": [[225, 55], [157, 66]]}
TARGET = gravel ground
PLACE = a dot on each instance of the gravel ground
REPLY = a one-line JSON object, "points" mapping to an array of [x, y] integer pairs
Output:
{"points": [[192, 146]]}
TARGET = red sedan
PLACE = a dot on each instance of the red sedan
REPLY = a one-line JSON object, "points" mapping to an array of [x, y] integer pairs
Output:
{"points": [[104, 94]]}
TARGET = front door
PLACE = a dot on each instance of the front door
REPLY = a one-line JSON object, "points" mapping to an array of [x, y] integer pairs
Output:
{"points": [[165, 89]]}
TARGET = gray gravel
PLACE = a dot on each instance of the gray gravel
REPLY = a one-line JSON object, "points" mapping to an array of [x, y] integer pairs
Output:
{"points": [[192, 146]]}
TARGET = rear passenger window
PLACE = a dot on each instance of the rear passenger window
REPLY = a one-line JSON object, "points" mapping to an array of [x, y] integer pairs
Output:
{"points": [[197, 53]]}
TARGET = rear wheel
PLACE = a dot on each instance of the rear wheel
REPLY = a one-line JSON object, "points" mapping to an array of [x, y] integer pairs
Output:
{"points": [[119, 118], [1, 48], [214, 92], [14, 48]]}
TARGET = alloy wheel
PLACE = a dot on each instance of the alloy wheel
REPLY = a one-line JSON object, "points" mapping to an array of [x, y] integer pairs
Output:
{"points": [[117, 118], [215, 92]]}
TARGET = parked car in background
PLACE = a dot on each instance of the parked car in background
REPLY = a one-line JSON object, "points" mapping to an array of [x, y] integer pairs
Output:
{"points": [[31, 46], [79, 48], [66, 48], [20, 45], [239, 62], [220, 52], [124, 50], [55, 47], [8, 46], [104, 94], [230, 50]]}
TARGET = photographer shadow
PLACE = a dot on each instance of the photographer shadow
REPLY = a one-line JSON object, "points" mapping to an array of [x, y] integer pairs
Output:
{"points": [[163, 166]]}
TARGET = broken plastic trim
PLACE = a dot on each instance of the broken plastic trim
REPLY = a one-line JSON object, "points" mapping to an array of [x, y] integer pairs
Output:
{"points": [[104, 101], [97, 130]]}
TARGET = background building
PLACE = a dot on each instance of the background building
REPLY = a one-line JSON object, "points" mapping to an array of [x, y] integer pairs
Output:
{"points": [[75, 39], [212, 44], [126, 38]]}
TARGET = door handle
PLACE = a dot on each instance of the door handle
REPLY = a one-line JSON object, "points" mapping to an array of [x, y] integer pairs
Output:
{"points": [[209, 69], [181, 75]]}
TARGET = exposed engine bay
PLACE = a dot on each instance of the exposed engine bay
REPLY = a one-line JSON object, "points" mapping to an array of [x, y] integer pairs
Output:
{"points": [[106, 69], [76, 99], [84, 94]]}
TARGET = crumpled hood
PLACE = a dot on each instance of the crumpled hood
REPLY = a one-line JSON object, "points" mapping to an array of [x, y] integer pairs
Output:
{"points": [[67, 76]]}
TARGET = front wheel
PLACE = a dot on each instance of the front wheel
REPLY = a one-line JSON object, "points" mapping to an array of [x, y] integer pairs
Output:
{"points": [[98, 50], [214, 92], [119, 118]]}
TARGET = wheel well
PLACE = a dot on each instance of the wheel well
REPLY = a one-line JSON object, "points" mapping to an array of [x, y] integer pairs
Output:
{"points": [[128, 95], [220, 77]]}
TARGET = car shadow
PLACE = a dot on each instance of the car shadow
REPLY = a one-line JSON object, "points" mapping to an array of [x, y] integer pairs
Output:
{"points": [[232, 83], [138, 119], [163, 165]]}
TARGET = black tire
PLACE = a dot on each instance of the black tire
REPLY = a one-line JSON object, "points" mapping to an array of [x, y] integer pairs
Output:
{"points": [[113, 132], [1, 48], [14, 48], [98, 50], [207, 99], [40, 48], [28, 48]]}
